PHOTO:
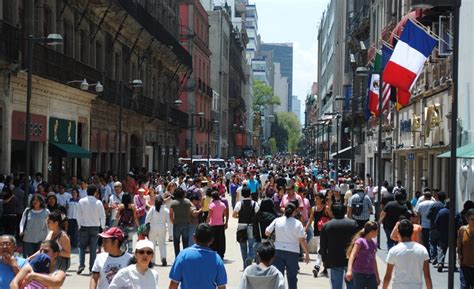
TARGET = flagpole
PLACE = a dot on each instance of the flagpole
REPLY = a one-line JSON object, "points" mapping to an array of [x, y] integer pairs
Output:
{"points": [[379, 156]]}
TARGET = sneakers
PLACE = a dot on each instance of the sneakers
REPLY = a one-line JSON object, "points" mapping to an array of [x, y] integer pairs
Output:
{"points": [[316, 271], [79, 270], [163, 262]]}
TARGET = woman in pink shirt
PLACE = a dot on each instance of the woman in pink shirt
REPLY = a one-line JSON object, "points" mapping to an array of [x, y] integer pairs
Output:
{"points": [[218, 219]]}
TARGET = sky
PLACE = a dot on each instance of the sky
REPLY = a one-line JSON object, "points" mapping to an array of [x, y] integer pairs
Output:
{"points": [[295, 21]]}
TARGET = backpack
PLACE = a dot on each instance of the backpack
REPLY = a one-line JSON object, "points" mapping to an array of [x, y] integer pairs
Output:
{"points": [[358, 207], [126, 218]]}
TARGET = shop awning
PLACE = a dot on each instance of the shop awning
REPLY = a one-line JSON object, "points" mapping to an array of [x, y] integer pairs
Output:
{"points": [[68, 151], [344, 154], [464, 152]]}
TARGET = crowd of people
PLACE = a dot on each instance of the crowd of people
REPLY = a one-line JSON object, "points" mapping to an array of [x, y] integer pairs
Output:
{"points": [[284, 207]]}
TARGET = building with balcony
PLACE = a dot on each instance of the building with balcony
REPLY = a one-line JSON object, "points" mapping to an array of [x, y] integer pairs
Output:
{"points": [[76, 132], [197, 97]]}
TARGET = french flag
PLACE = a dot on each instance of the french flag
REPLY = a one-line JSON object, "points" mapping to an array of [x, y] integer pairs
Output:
{"points": [[408, 58]]}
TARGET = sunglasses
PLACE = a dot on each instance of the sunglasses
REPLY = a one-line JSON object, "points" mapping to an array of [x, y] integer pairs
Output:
{"points": [[142, 252]]}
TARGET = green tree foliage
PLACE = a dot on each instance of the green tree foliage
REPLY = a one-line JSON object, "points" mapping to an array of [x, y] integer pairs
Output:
{"points": [[286, 130], [273, 145], [263, 95]]}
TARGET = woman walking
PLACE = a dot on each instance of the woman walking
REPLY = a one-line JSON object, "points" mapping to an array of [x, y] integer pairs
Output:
{"points": [[33, 226], [319, 216], [139, 274], [289, 235], [217, 213], [127, 219], [158, 217], [362, 266], [140, 204]]}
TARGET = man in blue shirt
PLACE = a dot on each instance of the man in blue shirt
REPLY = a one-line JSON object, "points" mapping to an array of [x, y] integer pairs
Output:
{"points": [[198, 267], [10, 264], [254, 186]]}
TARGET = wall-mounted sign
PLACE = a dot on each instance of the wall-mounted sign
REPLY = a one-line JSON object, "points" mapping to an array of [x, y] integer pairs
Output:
{"points": [[405, 126], [411, 156], [37, 127], [62, 130]]}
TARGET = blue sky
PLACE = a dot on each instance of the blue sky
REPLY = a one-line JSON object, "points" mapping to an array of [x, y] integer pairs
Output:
{"points": [[294, 21]]}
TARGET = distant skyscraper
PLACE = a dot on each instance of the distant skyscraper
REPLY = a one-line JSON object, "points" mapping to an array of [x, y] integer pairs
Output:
{"points": [[296, 103], [283, 54]]}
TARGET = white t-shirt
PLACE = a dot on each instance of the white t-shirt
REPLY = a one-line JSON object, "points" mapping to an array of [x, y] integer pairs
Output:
{"points": [[63, 198], [108, 266], [288, 232], [423, 209], [129, 277], [408, 259]]}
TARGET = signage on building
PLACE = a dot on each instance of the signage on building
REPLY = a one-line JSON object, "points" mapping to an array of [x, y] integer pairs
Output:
{"points": [[411, 156], [405, 126], [163, 151], [37, 127], [62, 130]]}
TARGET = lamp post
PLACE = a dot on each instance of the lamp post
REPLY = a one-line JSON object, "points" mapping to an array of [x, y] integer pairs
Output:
{"points": [[84, 85], [52, 39], [136, 83], [211, 130], [337, 116], [193, 128], [168, 104]]}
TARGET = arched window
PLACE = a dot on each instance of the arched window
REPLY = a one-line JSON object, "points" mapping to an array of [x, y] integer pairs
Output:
{"points": [[84, 57], [99, 55]]}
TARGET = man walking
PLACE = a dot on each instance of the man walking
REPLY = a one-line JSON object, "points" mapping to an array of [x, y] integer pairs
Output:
{"points": [[422, 209], [409, 260], [180, 217], [199, 267], [90, 219], [359, 207], [336, 235], [391, 214]]}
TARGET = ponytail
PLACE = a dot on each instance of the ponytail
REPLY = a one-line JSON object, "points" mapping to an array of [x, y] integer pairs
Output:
{"points": [[158, 203], [368, 227]]}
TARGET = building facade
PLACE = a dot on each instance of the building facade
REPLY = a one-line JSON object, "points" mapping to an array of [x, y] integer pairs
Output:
{"points": [[82, 132]]}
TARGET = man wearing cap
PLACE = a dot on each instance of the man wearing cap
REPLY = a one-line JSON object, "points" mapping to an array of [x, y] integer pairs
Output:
{"points": [[198, 267], [359, 207], [114, 201], [90, 219], [107, 264]]}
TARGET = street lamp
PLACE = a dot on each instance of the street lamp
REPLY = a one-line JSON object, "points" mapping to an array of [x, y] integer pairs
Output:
{"points": [[337, 116], [211, 130], [136, 83], [52, 40], [176, 102], [84, 85], [193, 128]]}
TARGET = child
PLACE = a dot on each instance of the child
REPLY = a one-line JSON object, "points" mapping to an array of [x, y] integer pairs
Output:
{"points": [[263, 275]]}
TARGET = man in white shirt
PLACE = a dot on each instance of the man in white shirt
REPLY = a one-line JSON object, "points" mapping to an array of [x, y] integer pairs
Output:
{"points": [[90, 219], [409, 261], [62, 196], [114, 201], [422, 209]]}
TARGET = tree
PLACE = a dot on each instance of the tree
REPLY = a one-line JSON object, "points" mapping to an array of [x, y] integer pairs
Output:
{"points": [[263, 95], [286, 131]]}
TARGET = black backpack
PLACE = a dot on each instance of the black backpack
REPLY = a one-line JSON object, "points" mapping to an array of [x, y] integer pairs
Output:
{"points": [[358, 207]]}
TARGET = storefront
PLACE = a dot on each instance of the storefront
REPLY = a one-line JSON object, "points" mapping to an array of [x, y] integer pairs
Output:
{"points": [[64, 150]]}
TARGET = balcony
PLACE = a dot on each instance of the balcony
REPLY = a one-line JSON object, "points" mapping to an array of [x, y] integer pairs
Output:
{"points": [[58, 67], [156, 29], [9, 49]]}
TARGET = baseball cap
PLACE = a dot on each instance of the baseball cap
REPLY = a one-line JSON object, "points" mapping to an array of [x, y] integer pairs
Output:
{"points": [[141, 190], [117, 184], [113, 232], [145, 244], [51, 194], [40, 263]]}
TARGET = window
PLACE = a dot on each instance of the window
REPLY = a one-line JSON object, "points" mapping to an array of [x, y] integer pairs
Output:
{"points": [[84, 46], [68, 38], [117, 66], [99, 55], [47, 21]]}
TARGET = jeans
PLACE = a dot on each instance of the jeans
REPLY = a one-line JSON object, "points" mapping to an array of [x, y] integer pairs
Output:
{"points": [[30, 248], [88, 236], [468, 274], [390, 242], [289, 261], [364, 281], [192, 229], [442, 249], [233, 200], [425, 237], [141, 220], [434, 250], [180, 231], [310, 233], [247, 248], [72, 231], [337, 277]]}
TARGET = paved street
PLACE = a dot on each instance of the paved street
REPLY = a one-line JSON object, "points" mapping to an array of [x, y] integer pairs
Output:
{"points": [[233, 265]]}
